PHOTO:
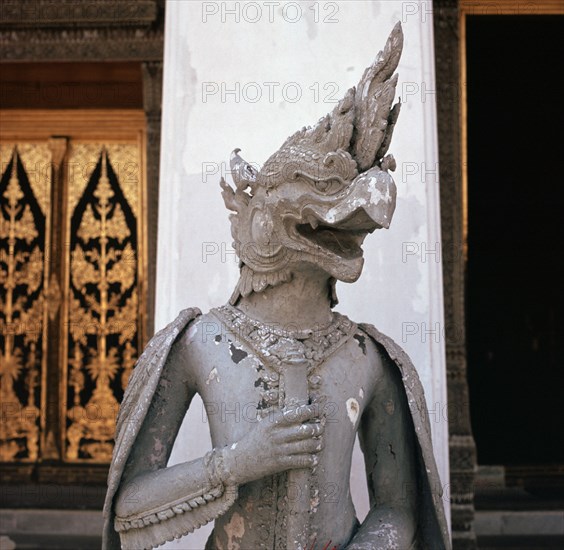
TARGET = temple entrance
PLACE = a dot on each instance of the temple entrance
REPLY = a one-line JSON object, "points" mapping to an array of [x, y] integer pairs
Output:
{"points": [[514, 297], [80, 111], [73, 256]]}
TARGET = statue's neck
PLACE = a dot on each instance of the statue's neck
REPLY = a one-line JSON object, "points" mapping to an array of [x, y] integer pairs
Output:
{"points": [[303, 302]]}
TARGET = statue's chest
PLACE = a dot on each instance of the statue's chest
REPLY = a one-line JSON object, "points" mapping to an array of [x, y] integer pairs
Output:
{"points": [[241, 380]]}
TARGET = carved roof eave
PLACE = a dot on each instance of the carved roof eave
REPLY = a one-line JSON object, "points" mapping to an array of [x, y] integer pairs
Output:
{"points": [[28, 46], [90, 30], [85, 13]]}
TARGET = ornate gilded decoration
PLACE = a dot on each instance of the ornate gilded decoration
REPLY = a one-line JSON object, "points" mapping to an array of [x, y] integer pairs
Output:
{"points": [[81, 163], [53, 297], [54, 373], [36, 159], [126, 162], [22, 248], [72, 287], [103, 306]]}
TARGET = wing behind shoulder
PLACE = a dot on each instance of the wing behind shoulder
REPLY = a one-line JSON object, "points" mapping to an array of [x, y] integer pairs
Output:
{"points": [[432, 524], [133, 410]]}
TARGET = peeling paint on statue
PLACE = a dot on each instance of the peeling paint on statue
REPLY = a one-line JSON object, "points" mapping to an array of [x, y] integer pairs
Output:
{"points": [[212, 376], [353, 410], [235, 530], [309, 377]]}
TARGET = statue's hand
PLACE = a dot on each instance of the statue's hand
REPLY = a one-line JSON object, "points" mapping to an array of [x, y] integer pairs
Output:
{"points": [[284, 440]]}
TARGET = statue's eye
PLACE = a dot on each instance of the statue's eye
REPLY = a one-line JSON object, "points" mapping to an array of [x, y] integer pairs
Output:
{"points": [[329, 186]]}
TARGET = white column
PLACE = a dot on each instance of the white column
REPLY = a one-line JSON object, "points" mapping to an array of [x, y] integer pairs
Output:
{"points": [[247, 75]]}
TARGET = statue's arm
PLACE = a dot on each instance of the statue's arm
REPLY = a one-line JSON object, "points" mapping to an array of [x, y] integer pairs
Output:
{"points": [[154, 501], [146, 482], [387, 440]]}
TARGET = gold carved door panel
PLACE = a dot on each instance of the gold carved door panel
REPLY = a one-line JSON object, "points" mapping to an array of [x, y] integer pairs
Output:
{"points": [[72, 300], [24, 242]]}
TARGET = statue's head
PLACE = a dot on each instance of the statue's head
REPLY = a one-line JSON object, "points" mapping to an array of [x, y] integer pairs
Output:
{"points": [[316, 199]]}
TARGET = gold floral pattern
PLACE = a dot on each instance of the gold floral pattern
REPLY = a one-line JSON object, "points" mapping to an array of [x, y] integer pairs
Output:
{"points": [[22, 247], [103, 314]]}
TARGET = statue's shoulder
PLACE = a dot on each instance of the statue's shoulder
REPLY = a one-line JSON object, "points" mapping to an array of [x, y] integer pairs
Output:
{"points": [[150, 364], [175, 327], [166, 337], [396, 355], [390, 349], [196, 330]]}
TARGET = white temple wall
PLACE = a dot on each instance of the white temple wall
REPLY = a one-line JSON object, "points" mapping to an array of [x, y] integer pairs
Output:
{"points": [[247, 75]]}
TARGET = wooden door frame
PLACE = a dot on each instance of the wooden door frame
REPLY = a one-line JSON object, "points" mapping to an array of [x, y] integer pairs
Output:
{"points": [[80, 125], [449, 18], [132, 32], [512, 475]]}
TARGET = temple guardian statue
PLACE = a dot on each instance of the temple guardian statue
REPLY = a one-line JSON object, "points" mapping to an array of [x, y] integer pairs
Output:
{"points": [[279, 478]]}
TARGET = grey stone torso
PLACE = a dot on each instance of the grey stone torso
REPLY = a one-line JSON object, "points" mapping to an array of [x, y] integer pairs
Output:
{"points": [[390, 416], [236, 386]]}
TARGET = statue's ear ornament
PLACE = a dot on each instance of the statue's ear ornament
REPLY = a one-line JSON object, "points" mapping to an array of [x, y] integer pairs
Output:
{"points": [[244, 174], [245, 177], [235, 201]]}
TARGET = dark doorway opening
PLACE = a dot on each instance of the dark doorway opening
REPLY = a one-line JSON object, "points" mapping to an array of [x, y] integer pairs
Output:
{"points": [[515, 269]]}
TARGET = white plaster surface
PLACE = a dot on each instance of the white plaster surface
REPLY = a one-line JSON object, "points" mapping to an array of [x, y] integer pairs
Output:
{"points": [[217, 62]]}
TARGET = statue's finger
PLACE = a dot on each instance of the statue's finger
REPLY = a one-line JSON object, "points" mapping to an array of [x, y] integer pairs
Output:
{"points": [[302, 413], [297, 433], [310, 446], [300, 461]]}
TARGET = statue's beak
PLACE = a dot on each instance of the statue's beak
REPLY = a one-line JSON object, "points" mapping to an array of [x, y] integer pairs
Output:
{"points": [[369, 204]]}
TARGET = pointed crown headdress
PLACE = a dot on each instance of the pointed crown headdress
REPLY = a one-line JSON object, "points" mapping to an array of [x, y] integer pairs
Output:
{"points": [[353, 138]]}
